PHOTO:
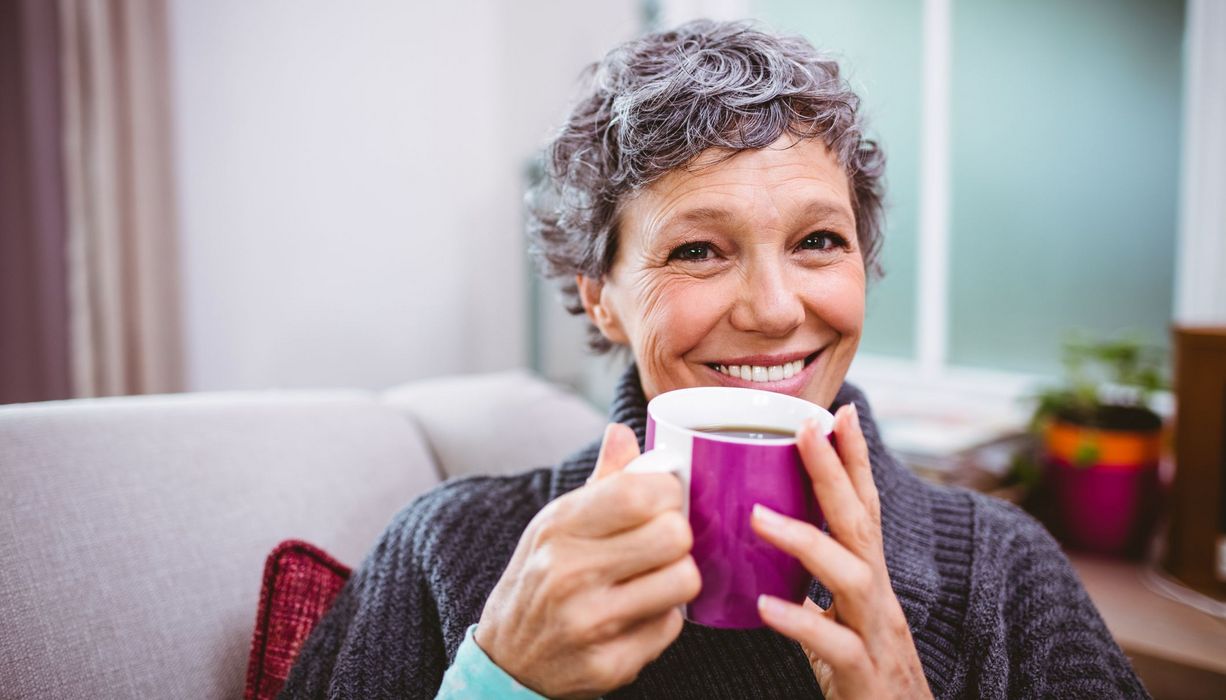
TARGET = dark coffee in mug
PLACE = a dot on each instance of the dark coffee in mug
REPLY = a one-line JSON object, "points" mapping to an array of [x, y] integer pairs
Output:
{"points": [[748, 432]]}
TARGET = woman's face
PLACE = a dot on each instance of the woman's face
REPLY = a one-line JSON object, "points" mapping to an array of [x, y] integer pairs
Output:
{"points": [[741, 273]]}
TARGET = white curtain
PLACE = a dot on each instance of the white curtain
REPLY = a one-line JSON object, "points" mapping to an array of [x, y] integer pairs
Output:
{"points": [[122, 253]]}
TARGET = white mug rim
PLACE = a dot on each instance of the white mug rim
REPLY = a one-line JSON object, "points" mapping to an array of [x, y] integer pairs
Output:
{"points": [[661, 401]]}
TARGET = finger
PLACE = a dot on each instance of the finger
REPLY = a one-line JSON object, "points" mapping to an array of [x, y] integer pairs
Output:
{"points": [[618, 447], [841, 506], [853, 451], [820, 668], [654, 634], [654, 592], [625, 656], [824, 638], [829, 613], [847, 576], [661, 540], [620, 502]]}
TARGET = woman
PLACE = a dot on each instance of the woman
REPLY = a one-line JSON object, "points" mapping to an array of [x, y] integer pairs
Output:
{"points": [[716, 208]]}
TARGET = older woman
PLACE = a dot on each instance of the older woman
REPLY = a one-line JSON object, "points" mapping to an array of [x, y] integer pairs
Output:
{"points": [[715, 210]]}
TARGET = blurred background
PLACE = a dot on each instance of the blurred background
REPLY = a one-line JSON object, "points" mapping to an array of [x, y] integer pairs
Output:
{"points": [[244, 195], [238, 195]]}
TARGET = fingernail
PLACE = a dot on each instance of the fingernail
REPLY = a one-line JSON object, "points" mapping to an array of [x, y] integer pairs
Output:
{"points": [[767, 516], [770, 605], [855, 416], [810, 426]]}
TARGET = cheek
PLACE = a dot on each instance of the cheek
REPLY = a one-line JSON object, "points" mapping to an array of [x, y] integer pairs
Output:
{"points": [[839, 301], [676, 314], [673, 316]]}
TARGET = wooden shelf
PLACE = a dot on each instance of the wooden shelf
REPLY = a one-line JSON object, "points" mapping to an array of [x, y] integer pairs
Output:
{"points": [[1178, 650]]}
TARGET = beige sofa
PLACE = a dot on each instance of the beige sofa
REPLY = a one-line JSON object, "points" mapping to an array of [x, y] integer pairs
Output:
{"points": [[133, 531]]}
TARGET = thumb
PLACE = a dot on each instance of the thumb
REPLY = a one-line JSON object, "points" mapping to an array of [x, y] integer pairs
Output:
{"points": [[618, 448]]}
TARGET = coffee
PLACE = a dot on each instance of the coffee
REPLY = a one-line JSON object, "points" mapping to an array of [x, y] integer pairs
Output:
{"points": [[747, 432]]}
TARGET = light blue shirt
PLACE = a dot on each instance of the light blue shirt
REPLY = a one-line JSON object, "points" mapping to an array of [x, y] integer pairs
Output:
{"points": [[474, 675]]}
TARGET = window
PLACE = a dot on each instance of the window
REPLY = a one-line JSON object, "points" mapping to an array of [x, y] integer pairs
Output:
{"points": [[1042, 139], [1034, 169]]}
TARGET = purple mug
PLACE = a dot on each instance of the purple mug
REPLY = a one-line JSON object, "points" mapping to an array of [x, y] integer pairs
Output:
{"points": [[723, 476]]}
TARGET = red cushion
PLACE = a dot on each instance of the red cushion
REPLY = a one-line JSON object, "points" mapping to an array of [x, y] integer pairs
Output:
{"points": [[300, 582]]}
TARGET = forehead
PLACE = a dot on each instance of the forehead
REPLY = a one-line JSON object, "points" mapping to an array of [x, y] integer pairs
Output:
{"points": [[790, 178]]}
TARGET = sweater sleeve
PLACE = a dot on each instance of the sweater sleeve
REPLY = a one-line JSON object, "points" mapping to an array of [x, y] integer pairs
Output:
{"points": [[475, 676], [1056, 644], [381, 637]]}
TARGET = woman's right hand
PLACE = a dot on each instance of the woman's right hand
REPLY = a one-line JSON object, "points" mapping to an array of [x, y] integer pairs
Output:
{"points": [[590, 595]]}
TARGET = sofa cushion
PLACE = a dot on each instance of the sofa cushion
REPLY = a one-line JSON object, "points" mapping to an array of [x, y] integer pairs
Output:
{"points": [[523, 422], [300, 583], [133, 530]]}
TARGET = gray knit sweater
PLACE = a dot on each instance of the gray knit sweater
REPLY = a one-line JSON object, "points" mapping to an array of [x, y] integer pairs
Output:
{"points": [[994, 607]]}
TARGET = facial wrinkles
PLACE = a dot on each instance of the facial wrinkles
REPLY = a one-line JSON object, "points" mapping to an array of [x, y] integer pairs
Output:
{"points": [[658, 292], [760, 256], [679, 315]]}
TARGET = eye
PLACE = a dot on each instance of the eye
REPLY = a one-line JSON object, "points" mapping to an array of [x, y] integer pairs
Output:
{"points": [[823, 241], [692, 251]]}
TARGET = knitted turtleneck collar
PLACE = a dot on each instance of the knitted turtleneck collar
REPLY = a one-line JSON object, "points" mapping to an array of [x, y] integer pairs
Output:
{"points": [[906, 518]]}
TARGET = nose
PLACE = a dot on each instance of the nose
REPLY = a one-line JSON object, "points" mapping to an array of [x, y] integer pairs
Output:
{"points": [[769, 304]]}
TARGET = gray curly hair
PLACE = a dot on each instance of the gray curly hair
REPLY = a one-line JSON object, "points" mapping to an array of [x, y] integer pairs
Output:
{"points": [[655, 103]]}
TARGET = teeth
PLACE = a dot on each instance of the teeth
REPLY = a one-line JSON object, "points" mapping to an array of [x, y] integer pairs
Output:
{"points": [[755, 373]]}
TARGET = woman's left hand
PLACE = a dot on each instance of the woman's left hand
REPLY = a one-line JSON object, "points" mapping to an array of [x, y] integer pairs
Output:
{"points": [[860, 647]]}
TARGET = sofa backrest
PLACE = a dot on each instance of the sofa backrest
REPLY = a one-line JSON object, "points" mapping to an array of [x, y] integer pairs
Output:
{"points": [[522, 421], [133, 531]]}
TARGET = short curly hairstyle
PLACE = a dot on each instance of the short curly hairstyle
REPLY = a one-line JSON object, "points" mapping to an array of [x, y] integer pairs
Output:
{"points": [[655, 103]]}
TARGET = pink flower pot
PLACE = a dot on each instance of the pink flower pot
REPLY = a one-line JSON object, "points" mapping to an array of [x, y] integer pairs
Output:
{"points": [[1103, 486], [1103, 509]]}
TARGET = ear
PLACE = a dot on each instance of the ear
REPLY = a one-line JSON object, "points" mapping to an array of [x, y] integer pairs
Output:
{"points": [[593, 295]]}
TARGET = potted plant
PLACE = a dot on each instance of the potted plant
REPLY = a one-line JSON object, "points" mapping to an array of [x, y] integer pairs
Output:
{"points": [[1099, 445]]}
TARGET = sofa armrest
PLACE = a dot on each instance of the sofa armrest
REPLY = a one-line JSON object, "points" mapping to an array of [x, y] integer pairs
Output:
{"points": [[133, 530]]}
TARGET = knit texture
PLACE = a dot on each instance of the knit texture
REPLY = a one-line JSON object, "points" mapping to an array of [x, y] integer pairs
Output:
{"points": [[994, 607]]}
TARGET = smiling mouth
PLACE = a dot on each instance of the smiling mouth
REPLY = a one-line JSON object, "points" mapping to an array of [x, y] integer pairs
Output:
{"points": [[760, 373]]}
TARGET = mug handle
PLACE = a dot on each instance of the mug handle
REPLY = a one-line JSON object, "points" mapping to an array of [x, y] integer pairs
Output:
{"points": [[665, 461], [657, 461]]}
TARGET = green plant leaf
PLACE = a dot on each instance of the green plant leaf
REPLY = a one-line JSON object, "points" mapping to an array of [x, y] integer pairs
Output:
{"points": [[1087, 454], [1091, 365]]}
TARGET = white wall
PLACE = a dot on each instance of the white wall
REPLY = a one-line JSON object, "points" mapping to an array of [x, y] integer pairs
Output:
{"points": [[1200, 275], [350, 180]]}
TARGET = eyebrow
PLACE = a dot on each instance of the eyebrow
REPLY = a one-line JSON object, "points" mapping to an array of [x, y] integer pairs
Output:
{"points": [[700, 215], [817, 209]]}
